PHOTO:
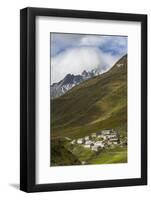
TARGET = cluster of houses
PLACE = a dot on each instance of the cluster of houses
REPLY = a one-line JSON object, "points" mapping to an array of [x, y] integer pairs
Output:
{"points": [[99, 140]]}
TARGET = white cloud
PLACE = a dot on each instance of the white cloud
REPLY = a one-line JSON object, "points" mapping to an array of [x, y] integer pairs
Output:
{"points": [[116, 44], [75, 60], [93, 40]]}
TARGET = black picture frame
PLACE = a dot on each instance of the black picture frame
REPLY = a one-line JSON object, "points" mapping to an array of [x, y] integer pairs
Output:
{"points": [[28, 98]]}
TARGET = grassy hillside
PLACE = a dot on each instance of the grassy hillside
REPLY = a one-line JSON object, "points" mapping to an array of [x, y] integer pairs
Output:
{"points": [[96, 104], [105, 156], [117, 155], [61, 155]]}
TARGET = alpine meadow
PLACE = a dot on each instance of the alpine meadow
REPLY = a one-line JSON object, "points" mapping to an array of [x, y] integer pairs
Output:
{"points": [[88, 108]]}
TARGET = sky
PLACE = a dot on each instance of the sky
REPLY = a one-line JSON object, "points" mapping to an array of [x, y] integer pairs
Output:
{"points": [[74, 53]]}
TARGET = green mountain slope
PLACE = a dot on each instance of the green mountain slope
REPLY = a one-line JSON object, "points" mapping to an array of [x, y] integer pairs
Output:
{"points": [[96, 104], [61, 155]]}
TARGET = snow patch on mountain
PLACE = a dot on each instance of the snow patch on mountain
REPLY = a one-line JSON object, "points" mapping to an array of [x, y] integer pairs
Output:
{"points": [[69, 81]]}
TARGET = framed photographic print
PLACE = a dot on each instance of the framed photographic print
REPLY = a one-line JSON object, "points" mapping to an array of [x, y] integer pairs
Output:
{"points": [[83, 99]]}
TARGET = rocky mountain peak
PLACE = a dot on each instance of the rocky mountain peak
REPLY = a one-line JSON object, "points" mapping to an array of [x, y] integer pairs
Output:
{"points": [[69, 81]]}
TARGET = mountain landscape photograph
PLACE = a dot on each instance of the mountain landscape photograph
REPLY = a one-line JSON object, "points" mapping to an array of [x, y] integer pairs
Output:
{"points": [[88, 99]]}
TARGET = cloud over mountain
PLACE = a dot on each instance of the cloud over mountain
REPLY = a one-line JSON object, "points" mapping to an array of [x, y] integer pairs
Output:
{"points": [[73, 53]]}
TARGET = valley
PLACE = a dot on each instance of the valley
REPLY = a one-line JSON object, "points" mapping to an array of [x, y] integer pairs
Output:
{"points": [[95, 105]]}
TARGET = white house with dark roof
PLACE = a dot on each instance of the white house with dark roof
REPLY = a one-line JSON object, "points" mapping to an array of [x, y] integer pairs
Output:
{"points": [[88, 142], [80, 141], [87, 137], [99, 144], [106, 132]]}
